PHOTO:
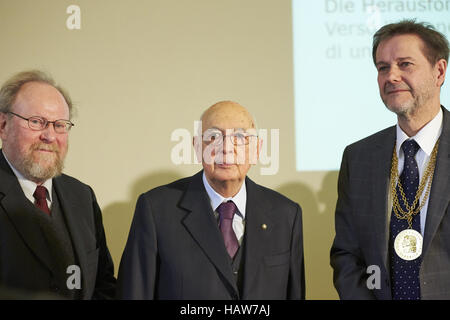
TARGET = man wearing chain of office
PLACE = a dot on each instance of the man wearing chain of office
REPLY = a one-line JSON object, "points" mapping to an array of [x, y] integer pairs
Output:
{"points": [[394, 188]]}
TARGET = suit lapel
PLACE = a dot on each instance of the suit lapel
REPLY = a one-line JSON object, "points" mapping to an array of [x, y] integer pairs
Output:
{"points": [[20, 210], [258, 213], [72, 208], [440, 187], [381, 178], [202, 226]]}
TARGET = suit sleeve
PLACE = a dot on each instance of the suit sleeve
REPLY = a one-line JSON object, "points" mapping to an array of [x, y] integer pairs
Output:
{"points": [[345, 257], [138, 266], [105, 284], [296, 288]]}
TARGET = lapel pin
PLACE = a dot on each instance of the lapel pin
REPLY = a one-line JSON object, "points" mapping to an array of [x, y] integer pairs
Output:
{"points": [[264, 226]]}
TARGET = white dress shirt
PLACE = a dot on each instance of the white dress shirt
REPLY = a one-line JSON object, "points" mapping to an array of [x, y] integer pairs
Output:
{"points": [[240, 200], [426, 138], [29, 187]]}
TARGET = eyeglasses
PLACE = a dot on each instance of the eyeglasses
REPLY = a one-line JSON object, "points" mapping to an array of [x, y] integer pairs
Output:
{"points": [[217, 137], [39, 123]]}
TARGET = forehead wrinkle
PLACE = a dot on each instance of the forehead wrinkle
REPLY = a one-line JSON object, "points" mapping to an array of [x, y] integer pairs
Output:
{"points": [[403, 42], [226, 112], [40, 98], [222, 130]]}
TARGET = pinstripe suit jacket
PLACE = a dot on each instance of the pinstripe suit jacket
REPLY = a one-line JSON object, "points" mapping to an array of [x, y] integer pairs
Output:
{"points": [[361, 221]]}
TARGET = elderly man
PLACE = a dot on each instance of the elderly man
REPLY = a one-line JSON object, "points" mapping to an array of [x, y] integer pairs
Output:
{"points": [[217, 234], [393, 213], [51, 233]]}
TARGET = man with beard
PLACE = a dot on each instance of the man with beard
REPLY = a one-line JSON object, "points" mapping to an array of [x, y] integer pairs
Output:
{"points": [[52, 240], [217, 234], [392, 214]]}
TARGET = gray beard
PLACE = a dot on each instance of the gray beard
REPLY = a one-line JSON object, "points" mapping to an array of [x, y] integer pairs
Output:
{"points": [[412, 107], [405, 110], [34, 171]]}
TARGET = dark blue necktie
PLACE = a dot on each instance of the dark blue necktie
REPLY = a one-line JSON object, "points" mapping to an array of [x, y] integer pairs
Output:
{"points": [[405, 274]]}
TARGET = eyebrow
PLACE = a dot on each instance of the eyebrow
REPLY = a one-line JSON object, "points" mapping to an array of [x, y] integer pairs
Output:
{"points": [[219, 129], [398, 59]]}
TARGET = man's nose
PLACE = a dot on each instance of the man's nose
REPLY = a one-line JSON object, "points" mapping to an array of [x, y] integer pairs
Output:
{"points": [[48, 134], [394, 75], [228, 145]]}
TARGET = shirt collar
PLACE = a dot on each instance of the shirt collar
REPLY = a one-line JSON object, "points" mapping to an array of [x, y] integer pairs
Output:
{"points": [[427, 136], [240, 199], [29, 186]]}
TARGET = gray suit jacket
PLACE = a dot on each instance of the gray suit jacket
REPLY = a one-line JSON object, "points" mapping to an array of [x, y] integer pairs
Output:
{"points": [[25, 261], [362, 227], [176, 251]]}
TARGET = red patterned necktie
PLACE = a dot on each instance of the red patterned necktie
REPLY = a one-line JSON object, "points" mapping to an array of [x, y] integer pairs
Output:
{"points": [[226, 213], [41, 199]]}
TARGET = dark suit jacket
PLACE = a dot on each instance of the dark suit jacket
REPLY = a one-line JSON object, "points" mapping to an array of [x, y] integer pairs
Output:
{"points": [[362, 227], [176, 251], [25, 262]]}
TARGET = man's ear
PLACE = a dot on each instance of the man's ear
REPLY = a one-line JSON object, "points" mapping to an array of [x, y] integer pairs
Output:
{"points": [[441, 68], [197, 144], [3, 123], [254, 149], [258, 150]]}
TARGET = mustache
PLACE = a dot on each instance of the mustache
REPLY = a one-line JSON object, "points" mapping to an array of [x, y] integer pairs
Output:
{"points": [[389, 87], [47, 147]]}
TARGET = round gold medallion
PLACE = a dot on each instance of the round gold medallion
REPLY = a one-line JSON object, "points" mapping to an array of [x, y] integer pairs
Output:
{"points": [[408, 244]]}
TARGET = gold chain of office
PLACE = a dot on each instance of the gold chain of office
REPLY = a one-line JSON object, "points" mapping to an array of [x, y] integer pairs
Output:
{"points": [[427, 176]]}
